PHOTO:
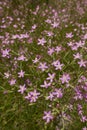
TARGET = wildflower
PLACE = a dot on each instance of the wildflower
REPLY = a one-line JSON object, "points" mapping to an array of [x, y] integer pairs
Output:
{"points": [[65, 78], [22, 58], [7, 75], [69, 35], [51, 77], [43, 66], [45, 85], [58, 93], [5, 53], [57, 65], [80, 44], [50, 34], [58, 49], [78, 94], [74, 47], [85, 36], [83, 118], [21, 74], [85, 128], [77, 56], [51, 96], [55, 25], [47, 116], [34, 26], [82, 63], [48, 21], [12, 81], [51, 51], [22, 89], [36, 59], [32, 96], [41, 41]]}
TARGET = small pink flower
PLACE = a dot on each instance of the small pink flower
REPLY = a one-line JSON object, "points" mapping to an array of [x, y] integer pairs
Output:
{"points": [[12, 81], [47, 116], [57, 65], [58, 93], [51, 77], [32, 96], [85, 128], [22, 89], [5, 53], [85, 36], [21, 74], [43, 66], [50, 34], [65, 78], [36, 59], [69, 35], [84, 119], [7, 75], [34, 26], [51, 51], [45, 85], [55, 24], [22, 58], [77, 56], [82, 63], [41, 41], [50, 97], [58, 49]]}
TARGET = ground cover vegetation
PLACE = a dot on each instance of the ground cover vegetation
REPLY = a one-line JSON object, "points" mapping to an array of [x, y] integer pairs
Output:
{"points": [[43, 65]]}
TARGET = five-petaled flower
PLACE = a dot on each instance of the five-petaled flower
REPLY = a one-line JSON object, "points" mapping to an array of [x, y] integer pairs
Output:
{"points": [[21, 74], [47, 116], [41, 41], [22, 89], [32, 96], [43, 66], [65, 78]]}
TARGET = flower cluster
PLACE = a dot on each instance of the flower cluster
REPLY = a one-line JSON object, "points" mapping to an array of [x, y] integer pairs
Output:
{"points": [[43, 64]]}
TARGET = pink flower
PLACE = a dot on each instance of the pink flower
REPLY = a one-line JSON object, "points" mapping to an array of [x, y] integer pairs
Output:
{"points": [[85, 128], [74, 47], [7, 75], [58, 93], [41, 41], [50, 34], [80, 44], [36, 59], [69, 35], [12, 81], [43, 66], [51, 77], [34, 26], [77, 56], [32, 96], [55, 25], [65, 78], [51, 51], [45, 85], [47, 116], [58, 49], [5, 53], [22, 89], [48, 21], [21, 74], [57, 65], [84, 119], [82, 63], [22, 58], [51, 96], [85, 36]]}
